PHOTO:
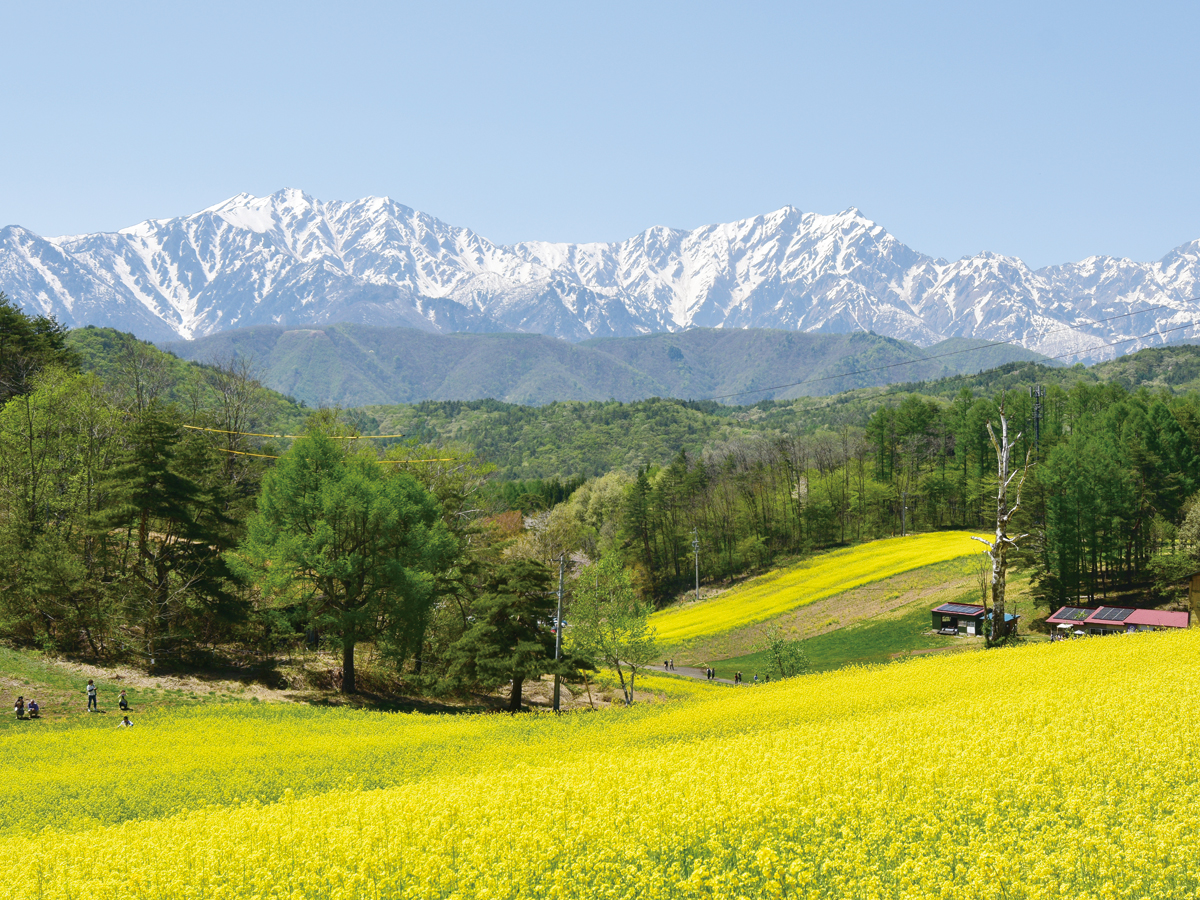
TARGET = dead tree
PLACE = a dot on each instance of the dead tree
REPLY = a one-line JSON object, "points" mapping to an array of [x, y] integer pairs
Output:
{"points": [[998, 549]]}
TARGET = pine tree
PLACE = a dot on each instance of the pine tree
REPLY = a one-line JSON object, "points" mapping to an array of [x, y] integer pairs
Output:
{"points": [[360, 546]]}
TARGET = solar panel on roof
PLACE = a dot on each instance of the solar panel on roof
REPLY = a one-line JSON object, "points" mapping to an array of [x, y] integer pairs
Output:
{"points": [[1073, 613], [1113, 614], [958, 609]]}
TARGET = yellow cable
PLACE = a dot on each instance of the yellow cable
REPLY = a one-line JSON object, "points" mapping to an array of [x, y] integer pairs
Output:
{"points": [[358, 437], [242, 453], [393, 461]]}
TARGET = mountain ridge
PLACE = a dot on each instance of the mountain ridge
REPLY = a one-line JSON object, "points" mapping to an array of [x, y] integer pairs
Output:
{"points": [[291, 260]]}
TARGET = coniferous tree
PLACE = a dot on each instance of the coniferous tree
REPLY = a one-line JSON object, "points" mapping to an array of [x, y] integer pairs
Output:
{"points": [[511, 639], [164, 537], [27, 345]]}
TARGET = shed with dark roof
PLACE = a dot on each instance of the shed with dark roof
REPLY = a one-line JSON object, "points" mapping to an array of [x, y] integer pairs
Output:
{"points": [[966, 618], [959, 618]]}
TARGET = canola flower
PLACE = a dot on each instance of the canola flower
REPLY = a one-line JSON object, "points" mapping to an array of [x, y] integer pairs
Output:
{"points": [[1023, 773], [822, 576]]}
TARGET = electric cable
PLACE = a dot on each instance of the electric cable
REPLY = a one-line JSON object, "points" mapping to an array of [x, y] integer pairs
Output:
{"points": [[348, 437], [391, 461]]}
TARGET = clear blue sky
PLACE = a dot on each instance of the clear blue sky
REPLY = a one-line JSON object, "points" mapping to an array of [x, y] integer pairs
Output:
{"points": [[1046, 131]]}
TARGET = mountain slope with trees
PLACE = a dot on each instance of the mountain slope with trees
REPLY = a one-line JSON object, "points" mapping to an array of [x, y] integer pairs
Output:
{"points": [[355, 365]]}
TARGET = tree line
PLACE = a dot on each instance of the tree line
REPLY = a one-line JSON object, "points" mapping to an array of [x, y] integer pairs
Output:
{"points": [[1113, 481]]}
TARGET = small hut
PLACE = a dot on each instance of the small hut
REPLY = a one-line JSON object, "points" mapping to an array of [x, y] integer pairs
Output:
{"points": [[959, 618]]}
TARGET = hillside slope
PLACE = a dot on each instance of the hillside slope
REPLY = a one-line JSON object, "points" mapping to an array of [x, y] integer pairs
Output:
{"points": [[823, 575]]}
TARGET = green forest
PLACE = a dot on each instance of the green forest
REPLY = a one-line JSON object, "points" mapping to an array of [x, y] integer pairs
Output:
{"points": [[169, 513]]}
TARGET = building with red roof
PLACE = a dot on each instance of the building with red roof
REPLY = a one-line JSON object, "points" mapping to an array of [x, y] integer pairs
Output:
{"points": [[1114, 619]]}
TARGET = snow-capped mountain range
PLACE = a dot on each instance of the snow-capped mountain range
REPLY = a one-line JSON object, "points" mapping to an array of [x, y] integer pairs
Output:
{"points": [[292, 260]]}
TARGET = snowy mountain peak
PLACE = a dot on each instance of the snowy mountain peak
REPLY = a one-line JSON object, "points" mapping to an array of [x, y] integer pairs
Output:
{"points": [[291, 259]]}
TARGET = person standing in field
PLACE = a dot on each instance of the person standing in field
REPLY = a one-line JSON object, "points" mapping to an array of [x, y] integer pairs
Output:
{"points": [[91, 694]]}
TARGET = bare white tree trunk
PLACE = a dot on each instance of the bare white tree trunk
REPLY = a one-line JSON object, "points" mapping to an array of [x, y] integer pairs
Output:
{"points": [[998, 549]]}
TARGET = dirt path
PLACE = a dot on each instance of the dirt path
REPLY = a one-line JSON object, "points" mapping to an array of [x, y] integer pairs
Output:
{"points": [[691, 672]]}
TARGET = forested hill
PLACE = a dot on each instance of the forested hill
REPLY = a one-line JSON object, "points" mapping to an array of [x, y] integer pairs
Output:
{"points": [[590, 438], [353, 365], [144, 373]]}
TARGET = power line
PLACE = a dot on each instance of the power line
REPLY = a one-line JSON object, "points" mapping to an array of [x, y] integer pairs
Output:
{"points": [[909, 362], [348, 437], [242, 453], [1126, 340], [386, 461]]}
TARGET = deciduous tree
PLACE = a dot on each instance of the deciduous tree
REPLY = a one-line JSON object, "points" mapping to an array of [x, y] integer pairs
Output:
{"points": [[610, 624]]}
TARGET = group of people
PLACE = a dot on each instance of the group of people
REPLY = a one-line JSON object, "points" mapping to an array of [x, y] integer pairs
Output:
{"points": [[738, 679], [29, 709], [668, 665], [122, 704]]}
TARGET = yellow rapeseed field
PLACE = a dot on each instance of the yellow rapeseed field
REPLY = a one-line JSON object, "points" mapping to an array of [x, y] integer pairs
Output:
{"points": [[1057, 770], [822, 576]]}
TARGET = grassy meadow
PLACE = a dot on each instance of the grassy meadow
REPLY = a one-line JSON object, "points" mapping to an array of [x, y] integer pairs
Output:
{"points": [[855, 783]]}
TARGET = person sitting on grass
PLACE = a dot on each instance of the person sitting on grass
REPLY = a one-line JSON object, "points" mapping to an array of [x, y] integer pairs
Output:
{"points": [[33, 710], [19, 707], [124, 723]]}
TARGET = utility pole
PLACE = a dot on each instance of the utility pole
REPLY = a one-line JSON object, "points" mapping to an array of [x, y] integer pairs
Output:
{"points": [[1038, 393], [696, 551], [903, 514], [558, 625]]}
